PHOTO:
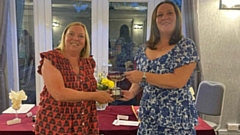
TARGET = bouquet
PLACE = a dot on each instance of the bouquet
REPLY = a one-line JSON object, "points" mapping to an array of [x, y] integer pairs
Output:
{"points": [[104, 83], [17, 98]]}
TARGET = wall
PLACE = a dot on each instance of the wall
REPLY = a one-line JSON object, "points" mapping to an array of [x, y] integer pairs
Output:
{"points": [[219, 40], [115, 24]]}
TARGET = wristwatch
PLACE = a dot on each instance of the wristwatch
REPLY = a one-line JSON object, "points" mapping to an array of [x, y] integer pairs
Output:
{"points": [[144, 77]]}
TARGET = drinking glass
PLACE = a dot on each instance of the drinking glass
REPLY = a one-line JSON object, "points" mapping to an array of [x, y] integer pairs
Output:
{"points": [[101, 107], [16, 105]]}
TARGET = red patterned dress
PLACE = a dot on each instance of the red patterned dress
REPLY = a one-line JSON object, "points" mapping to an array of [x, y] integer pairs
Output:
{"points": [[68, 118]]}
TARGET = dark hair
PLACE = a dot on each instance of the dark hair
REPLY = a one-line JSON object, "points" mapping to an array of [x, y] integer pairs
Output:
{"points": [[155, 35], [25, 32], [124, 32]]}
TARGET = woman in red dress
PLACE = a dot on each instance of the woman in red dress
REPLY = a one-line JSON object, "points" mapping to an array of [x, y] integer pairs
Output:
{"points": [[68, 100]]}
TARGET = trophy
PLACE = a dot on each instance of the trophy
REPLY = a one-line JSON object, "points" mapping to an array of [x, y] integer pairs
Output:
{"points": [[116, 76]]}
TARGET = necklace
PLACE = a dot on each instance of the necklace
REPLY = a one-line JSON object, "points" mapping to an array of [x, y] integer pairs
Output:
{"points": [[76, 67], [162, 48]]}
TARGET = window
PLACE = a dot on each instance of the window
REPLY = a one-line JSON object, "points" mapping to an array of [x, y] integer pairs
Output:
{"points": [[25, 44]]}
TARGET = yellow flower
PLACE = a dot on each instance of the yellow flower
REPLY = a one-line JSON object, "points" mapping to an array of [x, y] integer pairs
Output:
{"points": [[104, 83]]}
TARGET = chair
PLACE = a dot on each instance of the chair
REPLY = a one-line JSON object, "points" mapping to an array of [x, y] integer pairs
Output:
{"points": [[210, 101]]}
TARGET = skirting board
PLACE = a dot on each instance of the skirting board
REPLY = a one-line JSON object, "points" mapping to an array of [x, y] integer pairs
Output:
{"points": [[226, 132]]}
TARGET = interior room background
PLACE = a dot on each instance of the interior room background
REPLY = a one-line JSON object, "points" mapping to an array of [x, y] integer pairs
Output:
{"points": [[218, 38]]}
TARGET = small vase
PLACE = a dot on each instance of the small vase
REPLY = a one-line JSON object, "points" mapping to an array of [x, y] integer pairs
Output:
{"points": [[101, 107], [16, 105]]}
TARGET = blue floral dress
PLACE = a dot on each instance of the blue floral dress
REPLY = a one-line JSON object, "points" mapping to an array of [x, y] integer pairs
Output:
{"points": [[126, 53], [167, 111]]}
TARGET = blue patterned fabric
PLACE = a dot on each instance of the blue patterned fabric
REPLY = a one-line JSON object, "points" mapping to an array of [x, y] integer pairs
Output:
{"points": [[167, 111], [126, 53]]}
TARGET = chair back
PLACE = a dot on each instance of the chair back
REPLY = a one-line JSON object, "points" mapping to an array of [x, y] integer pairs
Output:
{"points": [[210, 98]]}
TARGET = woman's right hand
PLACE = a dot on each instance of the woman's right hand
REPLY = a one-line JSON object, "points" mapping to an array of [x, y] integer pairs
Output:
{"points": [[103, 97]]}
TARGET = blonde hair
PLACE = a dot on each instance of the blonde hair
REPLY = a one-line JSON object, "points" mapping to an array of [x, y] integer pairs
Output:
{"points": [[85, 53]]}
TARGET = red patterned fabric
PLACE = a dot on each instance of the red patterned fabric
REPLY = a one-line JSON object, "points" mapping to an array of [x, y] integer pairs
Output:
{"points": [[68, 118]]}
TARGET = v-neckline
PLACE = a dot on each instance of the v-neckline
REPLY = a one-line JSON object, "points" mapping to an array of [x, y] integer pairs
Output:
{"points": [[157, 58], [72, 68]]}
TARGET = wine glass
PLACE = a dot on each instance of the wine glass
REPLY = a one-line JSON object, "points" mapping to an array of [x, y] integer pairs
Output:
{"points": [[101, 107], [116, 76], [16, 105]]}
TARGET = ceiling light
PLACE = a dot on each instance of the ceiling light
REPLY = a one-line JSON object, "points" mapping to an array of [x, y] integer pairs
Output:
{"points": [[55, 24], [138, 26]]}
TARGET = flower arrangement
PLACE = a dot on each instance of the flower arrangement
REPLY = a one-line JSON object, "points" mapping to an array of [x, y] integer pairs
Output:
{"points": [[104, 83], [17, 98]]}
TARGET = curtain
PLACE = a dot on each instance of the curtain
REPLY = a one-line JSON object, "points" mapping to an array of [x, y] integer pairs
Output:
{"points": [[19, 15], [190, 30], [4, 5]]}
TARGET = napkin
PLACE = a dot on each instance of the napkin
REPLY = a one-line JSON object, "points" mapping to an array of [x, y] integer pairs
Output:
{"points": [[24, 109], [125, 123]]}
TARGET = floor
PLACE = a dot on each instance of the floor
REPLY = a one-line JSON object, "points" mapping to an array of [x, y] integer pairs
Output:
{"points": [[229, 133]]}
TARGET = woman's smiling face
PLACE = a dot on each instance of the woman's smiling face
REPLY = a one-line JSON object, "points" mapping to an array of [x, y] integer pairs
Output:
{"points": [[75, 38], [166, 19]]}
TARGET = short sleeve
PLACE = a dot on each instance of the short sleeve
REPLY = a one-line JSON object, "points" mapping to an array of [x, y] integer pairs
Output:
{"points": [[92, 62], [50, 55], [185, 53]]}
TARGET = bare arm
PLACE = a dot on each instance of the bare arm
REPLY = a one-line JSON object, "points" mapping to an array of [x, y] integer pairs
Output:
{"points": [[177, 79], [55, 85], [118, 49]]}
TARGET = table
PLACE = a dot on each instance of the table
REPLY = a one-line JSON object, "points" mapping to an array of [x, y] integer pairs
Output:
{"points": [[106, 118]]}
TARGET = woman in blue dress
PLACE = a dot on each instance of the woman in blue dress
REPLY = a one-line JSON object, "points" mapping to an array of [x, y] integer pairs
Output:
{"points": [[164, 65], [124, 47]]}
